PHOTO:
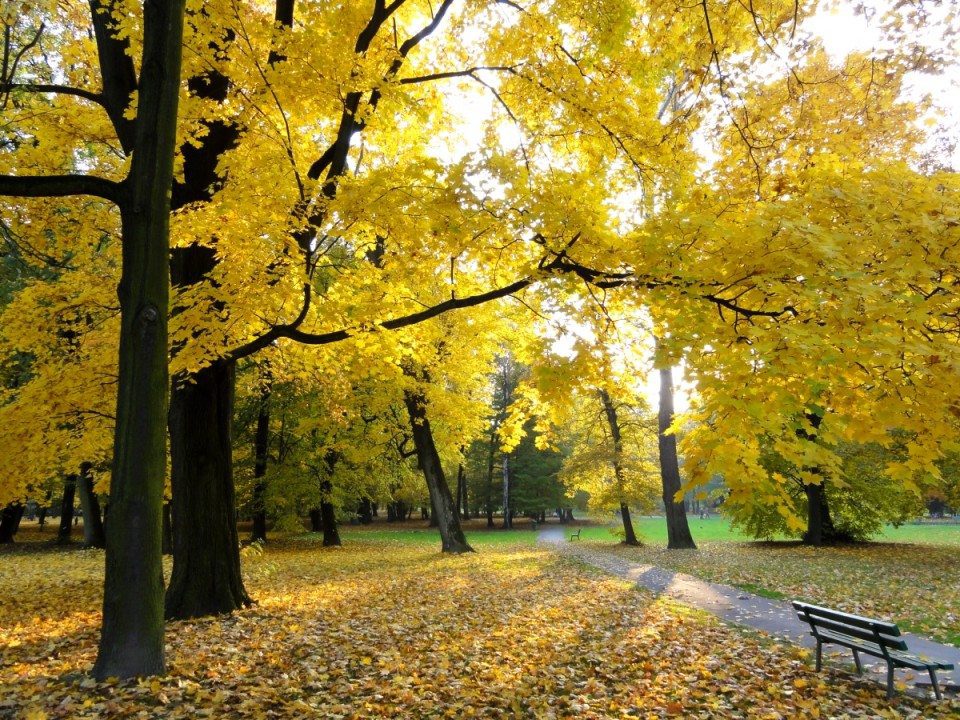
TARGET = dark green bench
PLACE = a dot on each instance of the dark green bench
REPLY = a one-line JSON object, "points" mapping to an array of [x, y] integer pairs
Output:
{"points": [[865, 635], [576, 535]]}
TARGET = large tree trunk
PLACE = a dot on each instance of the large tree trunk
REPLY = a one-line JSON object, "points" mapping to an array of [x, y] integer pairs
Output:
{"points": [[10, 522], [331, 534], [206, 577], [365, 511], [451, 534], [678, 530], [260, 447], [93, 535], [613, 422], [66, 509], [131, 640]]}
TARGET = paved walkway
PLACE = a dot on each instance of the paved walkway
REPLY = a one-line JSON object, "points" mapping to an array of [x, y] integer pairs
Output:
{"points": [[774, 617]]}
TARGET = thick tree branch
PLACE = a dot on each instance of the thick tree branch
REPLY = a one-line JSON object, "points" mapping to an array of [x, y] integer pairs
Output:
{"points": [[60, 186], [58, 89], [116, 71]]}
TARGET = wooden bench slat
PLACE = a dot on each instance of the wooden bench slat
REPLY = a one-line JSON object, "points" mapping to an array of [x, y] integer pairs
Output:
{"points": [[857, 632], [887, 628]]}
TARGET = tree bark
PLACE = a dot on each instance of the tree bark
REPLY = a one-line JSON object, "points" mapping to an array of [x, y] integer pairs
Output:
{"points": [[678, 530], [365, 511], [260, 448], [66, 509], [10, 522], [131, 640], [316, 520], [206, 577], [451, 534], [460, 489], [331, 533], [613, 422], [93, 535]]}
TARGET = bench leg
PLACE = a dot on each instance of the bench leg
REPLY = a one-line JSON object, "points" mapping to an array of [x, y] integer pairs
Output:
{"points": [[819, 655], [856, 659], [936, 686], [889, 680]]}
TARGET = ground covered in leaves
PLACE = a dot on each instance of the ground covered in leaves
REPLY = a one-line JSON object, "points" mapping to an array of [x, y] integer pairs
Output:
{"points": [[916, 585], [393, 629]]}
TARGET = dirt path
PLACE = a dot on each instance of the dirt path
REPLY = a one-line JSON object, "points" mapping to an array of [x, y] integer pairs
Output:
{"points": [[774, 617]]}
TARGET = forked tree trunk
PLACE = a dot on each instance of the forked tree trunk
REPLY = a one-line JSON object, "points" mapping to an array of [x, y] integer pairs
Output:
{"points": [[93, 535], [66, 509], [131, 640], [10, 522], [678, 530], [451, 534], [206, 577], [613, 422], [260, 448]]}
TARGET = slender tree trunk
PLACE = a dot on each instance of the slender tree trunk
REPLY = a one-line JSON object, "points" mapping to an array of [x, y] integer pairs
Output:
{"points": [[460, 481], [10, 522], [465, 504], [167, 530], [66, 509], [206, 577], [131, 640], [507, 511], [613, 422], [93, 535], [261, 442], [678, 530], [451, 534], [391, 512]]}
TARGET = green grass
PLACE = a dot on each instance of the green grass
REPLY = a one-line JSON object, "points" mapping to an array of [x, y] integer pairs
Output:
{"points": [[653, 530], [352, 533]]}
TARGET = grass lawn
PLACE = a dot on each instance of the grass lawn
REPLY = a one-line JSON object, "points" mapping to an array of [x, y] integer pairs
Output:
{"points": [[391, 628], [911, 575]]}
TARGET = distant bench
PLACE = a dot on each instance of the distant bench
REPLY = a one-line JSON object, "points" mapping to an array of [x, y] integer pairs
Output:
{"points": [[864, 635], [576, 535]]}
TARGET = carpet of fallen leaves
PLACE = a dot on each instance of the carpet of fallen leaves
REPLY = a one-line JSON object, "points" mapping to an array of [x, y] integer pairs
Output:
{"points": [[917, 586], [386, 629]]}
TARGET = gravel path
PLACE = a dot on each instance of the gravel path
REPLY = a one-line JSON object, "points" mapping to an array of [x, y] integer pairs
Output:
{"points": [[774, 617]]}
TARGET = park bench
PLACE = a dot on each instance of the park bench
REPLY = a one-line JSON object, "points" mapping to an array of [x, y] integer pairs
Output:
{"points": [[863, 635], [576, 535]]}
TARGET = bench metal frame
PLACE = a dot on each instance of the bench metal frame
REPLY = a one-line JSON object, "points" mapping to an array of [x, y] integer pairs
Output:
{"points": [[877, 638], [575, 535]]}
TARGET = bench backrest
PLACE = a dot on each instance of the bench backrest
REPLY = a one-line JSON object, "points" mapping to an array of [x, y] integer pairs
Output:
{"points": [[885, 634]]}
